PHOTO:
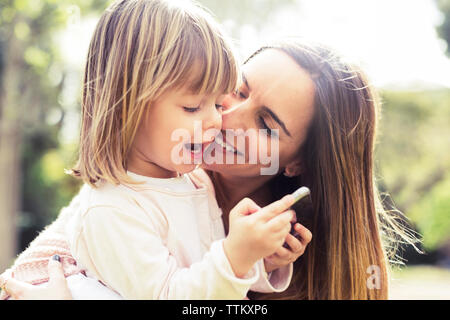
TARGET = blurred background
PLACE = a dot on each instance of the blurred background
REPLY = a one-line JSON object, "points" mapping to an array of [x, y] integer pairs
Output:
{"points": [[404, 45]]}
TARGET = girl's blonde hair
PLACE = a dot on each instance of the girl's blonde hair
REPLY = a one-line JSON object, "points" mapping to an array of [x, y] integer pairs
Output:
{"points": [[139, 50]]}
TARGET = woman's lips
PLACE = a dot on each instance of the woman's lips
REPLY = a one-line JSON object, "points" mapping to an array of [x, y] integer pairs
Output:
{"points": [[225, 145], [199, 150]]}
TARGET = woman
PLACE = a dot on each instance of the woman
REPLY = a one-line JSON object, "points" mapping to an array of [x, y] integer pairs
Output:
{"points": [[326, 115], [327, 136]]}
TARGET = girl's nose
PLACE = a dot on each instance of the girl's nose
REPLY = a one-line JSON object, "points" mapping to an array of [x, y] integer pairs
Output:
{"points": [[214, 118]]}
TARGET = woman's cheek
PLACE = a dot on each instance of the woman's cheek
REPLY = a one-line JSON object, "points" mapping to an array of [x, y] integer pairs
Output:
{"points": [[228, 102]]}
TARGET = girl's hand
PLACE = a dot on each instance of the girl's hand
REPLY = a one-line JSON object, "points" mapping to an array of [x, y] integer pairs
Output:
{"points": [[297, 246], [56, 288], [256, 233]]}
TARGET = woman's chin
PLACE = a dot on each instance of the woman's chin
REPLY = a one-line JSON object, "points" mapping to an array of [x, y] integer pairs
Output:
{"points": [[185, 168], [211, 167], [234, 170]]}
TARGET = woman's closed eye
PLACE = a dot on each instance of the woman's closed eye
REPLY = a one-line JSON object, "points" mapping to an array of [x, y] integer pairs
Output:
{"points": [[239, 94], [265, 116], [263, 125]]}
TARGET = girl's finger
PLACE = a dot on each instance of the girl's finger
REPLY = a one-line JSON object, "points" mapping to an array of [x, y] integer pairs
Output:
{"points": [[275, 208], [246, 206], [281, 222]]}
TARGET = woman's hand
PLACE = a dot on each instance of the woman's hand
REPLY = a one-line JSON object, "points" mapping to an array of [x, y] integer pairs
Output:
{"points": [[297, 246], [55, 289]]}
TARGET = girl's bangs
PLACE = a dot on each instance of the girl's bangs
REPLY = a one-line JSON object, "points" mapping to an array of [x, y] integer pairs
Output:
{"points": [[209, 67]]}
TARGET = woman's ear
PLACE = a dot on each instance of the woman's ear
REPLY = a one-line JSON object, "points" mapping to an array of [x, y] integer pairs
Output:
{"points": [[293, 169]]}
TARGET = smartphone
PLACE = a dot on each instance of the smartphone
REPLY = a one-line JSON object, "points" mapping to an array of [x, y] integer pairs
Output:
{"points": [[303, 208]]}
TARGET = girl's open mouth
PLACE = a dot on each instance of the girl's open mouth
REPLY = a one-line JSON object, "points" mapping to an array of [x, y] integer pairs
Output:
{"points": [[196, 149]]}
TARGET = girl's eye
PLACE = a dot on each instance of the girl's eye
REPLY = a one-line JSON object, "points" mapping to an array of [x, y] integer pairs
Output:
{"points": [[187, 109], [219, 106]]}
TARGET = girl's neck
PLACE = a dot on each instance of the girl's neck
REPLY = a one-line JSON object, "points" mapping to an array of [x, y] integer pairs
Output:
{"points": [[138, 165]]}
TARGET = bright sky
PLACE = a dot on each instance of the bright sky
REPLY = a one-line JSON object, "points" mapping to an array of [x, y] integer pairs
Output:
{"points": [[394, 40]]}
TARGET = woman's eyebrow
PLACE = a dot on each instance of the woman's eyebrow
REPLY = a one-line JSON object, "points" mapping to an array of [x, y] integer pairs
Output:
{"points": [[276, 119], [268, 110]]}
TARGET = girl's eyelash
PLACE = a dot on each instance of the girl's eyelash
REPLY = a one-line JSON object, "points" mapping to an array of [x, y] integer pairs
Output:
{"points": [[187, 109], [192, 110]]}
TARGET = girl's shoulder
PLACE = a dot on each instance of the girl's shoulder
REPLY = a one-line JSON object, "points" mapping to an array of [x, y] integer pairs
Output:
{"points": [[109, 195], [108, 202]]}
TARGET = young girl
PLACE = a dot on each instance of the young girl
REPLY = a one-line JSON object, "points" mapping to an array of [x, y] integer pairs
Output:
{"points": [[136, 225]]}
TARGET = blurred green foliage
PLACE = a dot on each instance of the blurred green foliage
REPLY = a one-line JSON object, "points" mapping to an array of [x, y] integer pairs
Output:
{"points": [[413, 159], [444, 28], [32, 78]]}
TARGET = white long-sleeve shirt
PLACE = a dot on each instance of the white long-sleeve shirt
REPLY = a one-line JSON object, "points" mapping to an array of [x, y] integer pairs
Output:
{"points": [[161, 239]]}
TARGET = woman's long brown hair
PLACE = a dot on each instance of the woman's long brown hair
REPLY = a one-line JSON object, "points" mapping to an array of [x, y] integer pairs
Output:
{"points": [[348, 257]]}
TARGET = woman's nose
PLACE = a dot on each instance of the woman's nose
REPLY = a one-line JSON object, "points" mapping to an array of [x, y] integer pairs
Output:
{"points": [[230, 102], [235, 117]]}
